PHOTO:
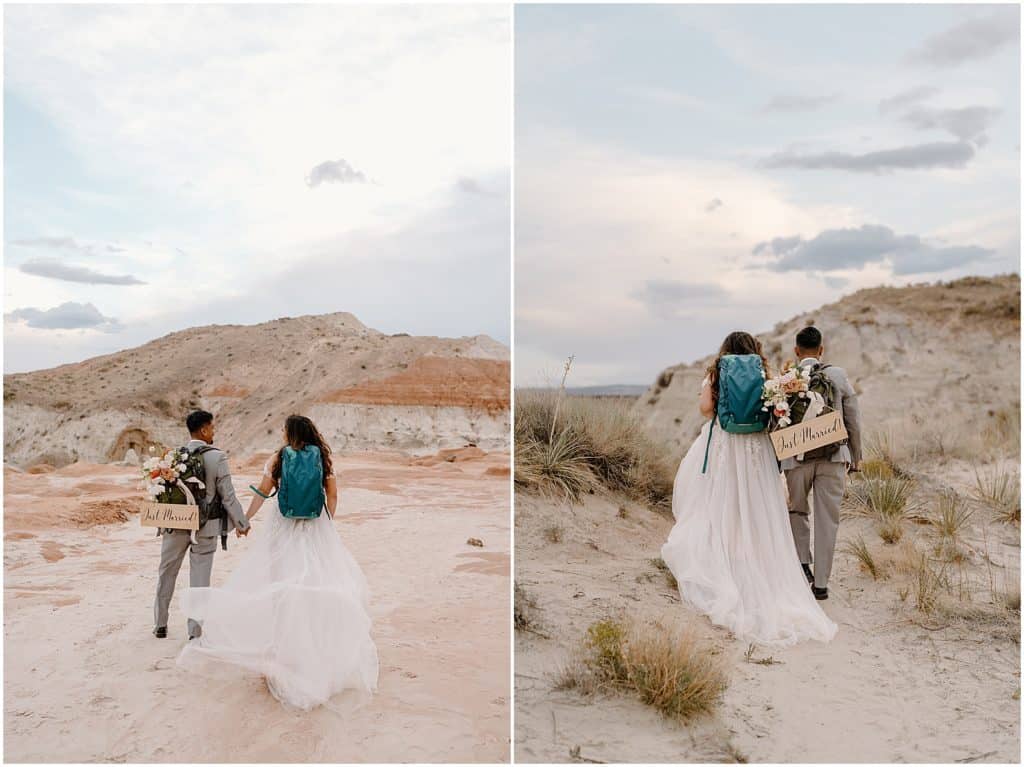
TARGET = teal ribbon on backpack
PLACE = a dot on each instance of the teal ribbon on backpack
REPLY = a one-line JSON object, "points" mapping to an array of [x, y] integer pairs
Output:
{"points": [[707, 448], [261, 495]]}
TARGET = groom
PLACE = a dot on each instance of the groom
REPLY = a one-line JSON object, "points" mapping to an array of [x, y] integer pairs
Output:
{"points": [[825, 475], [221, 506]]}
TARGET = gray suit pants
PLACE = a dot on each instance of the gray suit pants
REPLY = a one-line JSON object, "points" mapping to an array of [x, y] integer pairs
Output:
{"points": [[200, 565], [828, 481]]}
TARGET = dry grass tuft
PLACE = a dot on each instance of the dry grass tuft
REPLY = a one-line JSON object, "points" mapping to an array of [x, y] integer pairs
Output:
{"points": [[554, 533], [735, 756], [556, 467], [887, 501], [929, 584], [950, 519], [587, 443], [670, 670], [998, 488], [1010, 599], [524, 607], [885, 455], [876, 468], [660, 565], [859, 549]]}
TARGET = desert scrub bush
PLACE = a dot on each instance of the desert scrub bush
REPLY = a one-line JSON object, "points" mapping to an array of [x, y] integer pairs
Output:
{"points": [[998, 488], [888, 501], [670, 670], [557, 467], [586, 444]]}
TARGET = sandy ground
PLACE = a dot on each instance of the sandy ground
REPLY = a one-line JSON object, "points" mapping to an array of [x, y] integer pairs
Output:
{"points": [[890, 688], [85, 680]]}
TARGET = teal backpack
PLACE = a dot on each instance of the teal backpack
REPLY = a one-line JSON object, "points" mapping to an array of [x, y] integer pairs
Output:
{"points": [[300, 493], [740, 404]]}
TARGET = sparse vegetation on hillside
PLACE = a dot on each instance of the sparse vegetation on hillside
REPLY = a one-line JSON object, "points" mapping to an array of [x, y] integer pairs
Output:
{"points": [[592, 443]]}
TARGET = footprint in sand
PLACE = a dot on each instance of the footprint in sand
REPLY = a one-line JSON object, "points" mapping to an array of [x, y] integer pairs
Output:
{"points": [[360, 517], [51, 551], [484, 562]]}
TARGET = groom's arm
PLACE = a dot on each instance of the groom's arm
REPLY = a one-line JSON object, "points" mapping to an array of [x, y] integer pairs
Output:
{"points": [[226, 491]]}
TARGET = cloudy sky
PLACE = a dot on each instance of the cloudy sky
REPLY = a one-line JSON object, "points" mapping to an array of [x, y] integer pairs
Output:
{"points": [[686, 171], [174, 166]]}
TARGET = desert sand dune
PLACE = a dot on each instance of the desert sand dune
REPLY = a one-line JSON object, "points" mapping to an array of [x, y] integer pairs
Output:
{"points": [[85, 680]]}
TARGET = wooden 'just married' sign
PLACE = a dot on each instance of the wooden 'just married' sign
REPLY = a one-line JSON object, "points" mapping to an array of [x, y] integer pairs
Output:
{"points": [[178, 516], [807, 435]]}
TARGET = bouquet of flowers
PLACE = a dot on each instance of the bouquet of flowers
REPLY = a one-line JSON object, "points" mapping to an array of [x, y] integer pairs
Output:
{"points": [[780, 393], [164, 477]]}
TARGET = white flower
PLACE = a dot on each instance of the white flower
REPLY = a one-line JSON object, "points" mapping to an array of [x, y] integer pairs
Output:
{"points": [[181, 468]]}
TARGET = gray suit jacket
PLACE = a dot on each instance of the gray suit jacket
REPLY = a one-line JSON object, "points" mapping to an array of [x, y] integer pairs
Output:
{"points": [[218, 482], [846, 403]]}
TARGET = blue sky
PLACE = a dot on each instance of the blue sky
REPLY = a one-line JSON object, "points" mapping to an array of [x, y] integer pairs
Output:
{"points": [[683, 171], [170, 166]]}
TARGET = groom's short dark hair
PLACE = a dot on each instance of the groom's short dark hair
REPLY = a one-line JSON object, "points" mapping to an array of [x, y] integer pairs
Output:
{"points": [[197, 419], [809, 338]]}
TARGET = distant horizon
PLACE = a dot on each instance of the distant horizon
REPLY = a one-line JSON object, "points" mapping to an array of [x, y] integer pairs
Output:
{"points": [[249, 324], [554, 379]]}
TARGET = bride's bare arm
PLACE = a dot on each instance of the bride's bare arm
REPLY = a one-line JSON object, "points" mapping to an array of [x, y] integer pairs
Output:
{"points": [[707, 401], [266, 487], [332, 494]]}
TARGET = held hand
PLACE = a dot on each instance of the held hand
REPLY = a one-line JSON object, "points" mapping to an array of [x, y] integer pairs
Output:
{"points": [[242, 533]]}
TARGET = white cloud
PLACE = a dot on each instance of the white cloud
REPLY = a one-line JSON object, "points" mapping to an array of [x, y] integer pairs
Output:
{"points": [[66, 316], [45, 267]]}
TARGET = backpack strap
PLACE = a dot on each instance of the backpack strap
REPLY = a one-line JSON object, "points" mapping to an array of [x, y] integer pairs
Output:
{"points": [[707, 448], [261, 495]]}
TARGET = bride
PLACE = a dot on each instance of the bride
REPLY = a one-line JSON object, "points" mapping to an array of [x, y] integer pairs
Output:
{"points": [[295, 607], [731, 549]]}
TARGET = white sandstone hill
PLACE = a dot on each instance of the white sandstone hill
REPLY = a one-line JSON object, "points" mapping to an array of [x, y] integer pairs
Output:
{"points": [[365, 390], [932, 360]]}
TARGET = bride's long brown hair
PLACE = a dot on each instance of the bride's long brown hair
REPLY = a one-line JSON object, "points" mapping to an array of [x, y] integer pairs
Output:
{"points": [[300, 431], [737, 342]]}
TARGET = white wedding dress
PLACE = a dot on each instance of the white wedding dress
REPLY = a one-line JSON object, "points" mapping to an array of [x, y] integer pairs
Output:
{"points": [[295, 610], [731, 549]]}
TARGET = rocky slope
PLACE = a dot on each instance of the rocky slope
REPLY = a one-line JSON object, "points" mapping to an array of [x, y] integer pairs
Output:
{"points": [[364, 389], [935, 360]]}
